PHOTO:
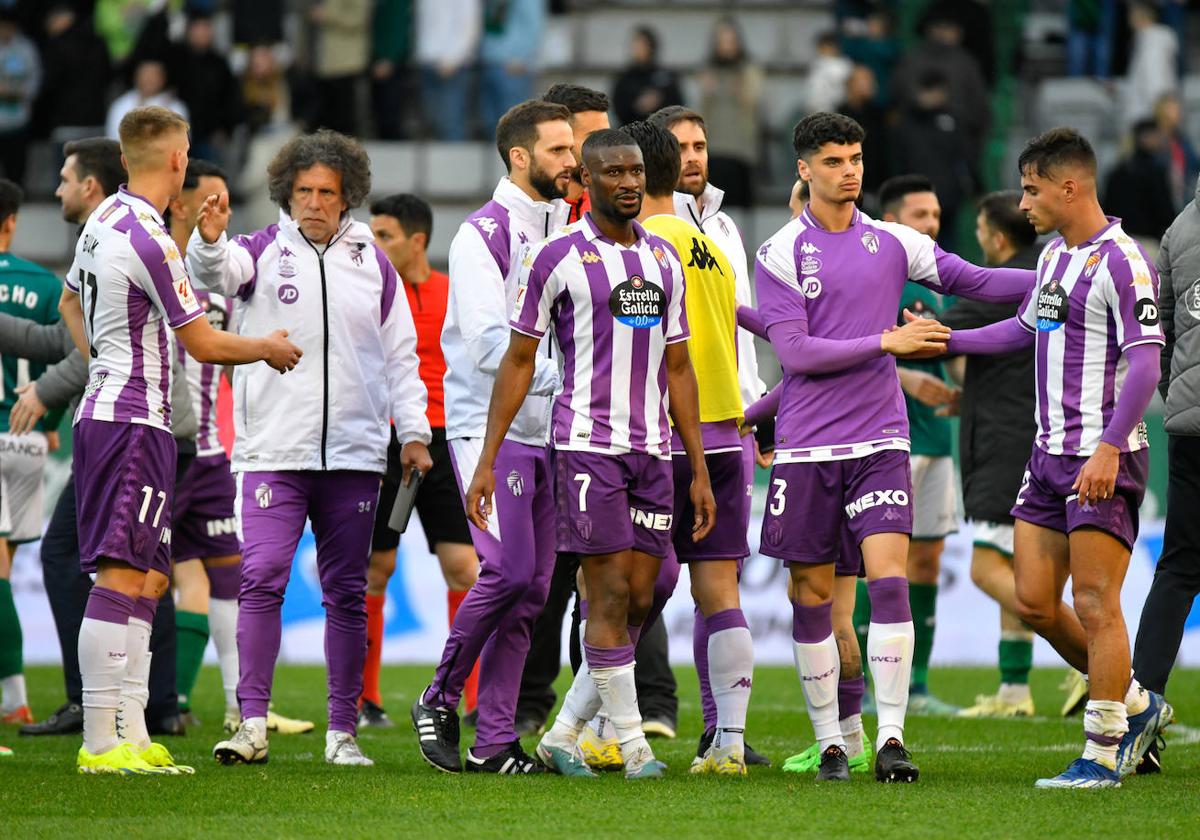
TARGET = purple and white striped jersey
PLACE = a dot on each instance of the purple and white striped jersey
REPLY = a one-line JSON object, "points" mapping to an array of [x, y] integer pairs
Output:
{"points": [[1093, 302], [613, 310], [204, 380], [133, 286], [845, 286]]}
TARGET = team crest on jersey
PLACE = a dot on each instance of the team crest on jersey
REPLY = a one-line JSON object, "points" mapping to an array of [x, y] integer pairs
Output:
{"points": [[1089, 267], [262, 495], [661, 256], [774, 531], [516, 484], [356, 256], [487, 224], [590, 257], [871, 242], [809, 264], [287, 268], [638, 303], [583, 527], [1052, 306]]}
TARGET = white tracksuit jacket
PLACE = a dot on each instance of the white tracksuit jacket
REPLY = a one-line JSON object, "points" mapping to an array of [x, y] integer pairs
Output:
{"points": [[485, 256], [342, 304]]}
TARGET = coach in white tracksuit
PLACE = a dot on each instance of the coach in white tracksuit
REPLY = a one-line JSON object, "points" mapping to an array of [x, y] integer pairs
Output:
{"points": [[312, 445]]}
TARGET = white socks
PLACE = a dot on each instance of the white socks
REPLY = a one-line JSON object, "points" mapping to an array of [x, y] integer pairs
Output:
{"points": [[852, 734], [12, 689], [818, 666], [618, 692], [890, 653], [1105, 724], [731, 677], [102, 666], [222, 627], [135, 687], [581, 704], [1136, 697]]}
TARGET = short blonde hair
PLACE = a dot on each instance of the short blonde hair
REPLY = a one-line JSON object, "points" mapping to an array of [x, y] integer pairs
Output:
{"points": [[142, 126]]}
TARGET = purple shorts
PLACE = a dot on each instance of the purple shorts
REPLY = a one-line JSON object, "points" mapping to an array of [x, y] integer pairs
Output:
{"points": [[610, 503], [1046, 497], [731, 490], [204, 524], [821, 511], [124, 484]]}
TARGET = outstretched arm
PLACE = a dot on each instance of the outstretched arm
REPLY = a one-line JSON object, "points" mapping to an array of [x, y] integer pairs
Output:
{"points": [[1005, 336], [803, 354]]}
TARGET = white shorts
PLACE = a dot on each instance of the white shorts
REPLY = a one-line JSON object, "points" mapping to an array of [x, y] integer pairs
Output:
{"points": [[993, 535], [22, 463], [935, 498]]}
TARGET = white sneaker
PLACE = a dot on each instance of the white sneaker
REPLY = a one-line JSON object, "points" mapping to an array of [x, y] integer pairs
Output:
{"points": [[247, 746], [342, 748]]}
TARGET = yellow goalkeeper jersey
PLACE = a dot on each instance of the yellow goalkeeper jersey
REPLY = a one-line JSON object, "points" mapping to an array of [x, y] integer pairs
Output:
{"points": [[712, 316]]}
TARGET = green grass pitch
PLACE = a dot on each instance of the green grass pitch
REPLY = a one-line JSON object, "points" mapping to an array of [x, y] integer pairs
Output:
{"points": [[976, 779]]}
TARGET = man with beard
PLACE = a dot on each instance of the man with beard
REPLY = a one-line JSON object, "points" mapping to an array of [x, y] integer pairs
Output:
{"points": [[516, 548], [589, 113], [699, 202]]}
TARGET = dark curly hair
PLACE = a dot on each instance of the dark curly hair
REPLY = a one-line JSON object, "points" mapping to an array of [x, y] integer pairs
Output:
{"points": [[340, 153], [815, 130]]}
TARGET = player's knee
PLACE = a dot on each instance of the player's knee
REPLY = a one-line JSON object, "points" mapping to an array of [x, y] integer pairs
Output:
{"points": [[1037, 615], [1092, 604]]}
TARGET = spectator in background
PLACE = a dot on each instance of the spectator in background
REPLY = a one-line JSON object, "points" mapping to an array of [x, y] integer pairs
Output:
{"points": [[77, 72], [968, 100], [512, 31], [1183, 164], [929, 141], [828, 74], [643, 87], [257, 21], [447, 37], [20, 78], [341, 52], [208, 87], [1090, 28], [391, 51], [120, 23], [1153, 59], [1138, 191], [149, 88], [869, 41], [862, 105], [731, 90], [265, 97]]}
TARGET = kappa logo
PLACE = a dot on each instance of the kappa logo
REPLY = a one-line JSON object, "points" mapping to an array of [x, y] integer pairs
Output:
{"points": [[516, 484], [702, 258], [285, 251], [171, 255], [590, 257], [523, 238], [871, 242], [876, 498], [744, 682], [262, 495], [1142, 278], [487, 225], [762, 252], [809, 248]]}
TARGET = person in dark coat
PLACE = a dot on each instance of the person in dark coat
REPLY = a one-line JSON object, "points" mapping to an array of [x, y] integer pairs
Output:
{"points": [[996, 431], [643, 87], [1138, 189], [77, 73]]}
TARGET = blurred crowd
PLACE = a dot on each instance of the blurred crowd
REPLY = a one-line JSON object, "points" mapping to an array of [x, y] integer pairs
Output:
{"points": [[447, 69]]}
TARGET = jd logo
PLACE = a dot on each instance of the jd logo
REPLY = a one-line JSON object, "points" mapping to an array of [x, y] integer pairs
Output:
{"points": [[288, 293], [1147, 313], [811, 287], [702, 258]]}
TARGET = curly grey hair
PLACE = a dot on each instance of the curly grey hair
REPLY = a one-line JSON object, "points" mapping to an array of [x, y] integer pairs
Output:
{"points": [[340, 153]]}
